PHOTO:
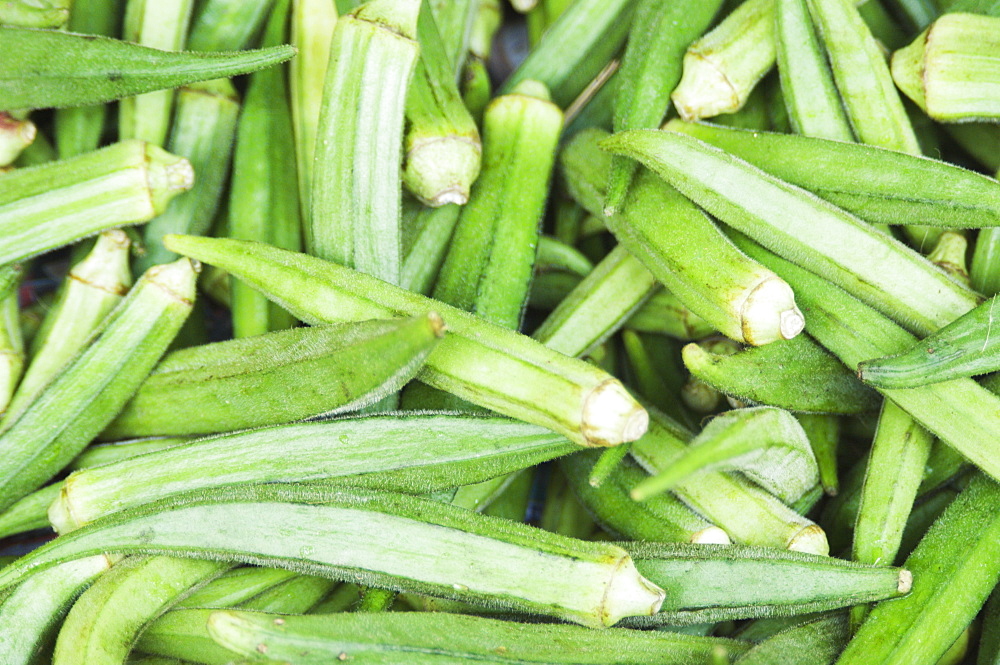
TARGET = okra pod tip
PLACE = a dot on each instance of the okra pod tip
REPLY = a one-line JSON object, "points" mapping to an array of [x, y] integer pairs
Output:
{"points": [[612, 416], [168, 175], [629, 594], [811, 540], [769, 312], [441, 170]]}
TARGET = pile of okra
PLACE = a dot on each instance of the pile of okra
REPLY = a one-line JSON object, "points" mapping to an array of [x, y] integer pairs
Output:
{"points": [[566, 332]]}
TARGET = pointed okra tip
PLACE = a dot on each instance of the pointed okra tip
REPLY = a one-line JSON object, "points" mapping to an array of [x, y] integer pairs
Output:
{"points": [[611, 416], [167, 176]]}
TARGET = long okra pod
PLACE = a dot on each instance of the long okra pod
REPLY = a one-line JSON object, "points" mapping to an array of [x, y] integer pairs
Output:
{"points": [[442, 147], [227, 25], [12, 356], [163, 25], [854, 255], [523, 378], [93, 69], [824, 437], [277, 377], [52, 205], [425, 249], [86, 395], [92, 289], [816, 642], [429, 638], [440, 549], [355, 217], [263, 198]]}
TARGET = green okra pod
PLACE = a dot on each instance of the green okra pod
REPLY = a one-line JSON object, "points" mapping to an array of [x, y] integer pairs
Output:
{"points": [[29, 513], [204, 127], [488, 17], [824, 437], [424, 638], [93, 69], [952, 70], [523, 378], [32, 613], [954, 568], [490, 259], [227, 25], [663, 313], [15, 136], [878, 185], [661, 519], [355, 217], [30, 14], [425, 248], [554, 254], [850, 253], [404, 452], [989, 643], [442, 147], [12, 356], [92, 289], [105, 453], [797, 374], [441, 549], [596, 28], [55, 204], [454, 19], [107, 618], [816, 642], [88, 393], [651, 68], [235, 587], [711, 583], [277, 377], [964, 347]]}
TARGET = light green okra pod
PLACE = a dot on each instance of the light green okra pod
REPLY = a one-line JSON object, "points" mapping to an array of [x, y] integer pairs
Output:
{"points": [[425, 248], [235, 587], [824, 437], [163, 25], [833, 243], [817, 642], [454, 19], [336, 533], [107, 618], [86, 395], [355, 217], [485, 25], [555, 254], [12, 356], [92, 289], [227, 25], [93, 69], [404, 452], [48, 206], [277, 378], [29, 14], [663, 313], [437, 638], [496, 368]]}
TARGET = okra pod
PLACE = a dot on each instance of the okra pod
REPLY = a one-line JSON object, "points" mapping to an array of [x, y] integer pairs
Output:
{"points": [[235, 587], [869, 263], [523, 377], [454, 19], [442, 147], [29, 513], [823, 432], [485, 25], [425, 249], [426, 638], [15, 136], [55, 204], [245, 383], [405, 452], [92, 289], [816, 642], [105, 453], [227, 25], [554, 254], [93, 69], [952, 70], [34, 14], [440, 549], [355, 217], [11, 348], [798, 375], [663, 313], [878, 185], [92, 389]]}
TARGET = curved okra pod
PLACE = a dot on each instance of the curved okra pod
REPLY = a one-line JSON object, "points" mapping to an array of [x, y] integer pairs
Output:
{"points": [[92, 289], [97, 69], [881, 186], [797, 374], [406, 452], [523, 379], [355, 218], [88, 393], [429, 638], [440, 549], [661, 519], [55, 204], [965, 347], [277, 377], [833, 243], [107, 618], [711, 583], [32, 612]]}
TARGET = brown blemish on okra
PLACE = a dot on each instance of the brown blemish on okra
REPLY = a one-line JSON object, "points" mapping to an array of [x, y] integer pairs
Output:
{"points": [[172, 281]]}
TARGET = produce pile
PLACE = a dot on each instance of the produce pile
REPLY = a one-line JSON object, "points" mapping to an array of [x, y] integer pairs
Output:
{"points": [[335, 331]]}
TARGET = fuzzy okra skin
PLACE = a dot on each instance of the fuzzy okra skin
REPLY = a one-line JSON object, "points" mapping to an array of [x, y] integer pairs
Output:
{"points": [[815, 642], [355, 217], [87, 394], [55, 204], [878, 185], [964, 347], [429, 638], [788, 220], [478, 361], [403, 452], [34, 15], [277, 377], [227, 25], [439, 549]]}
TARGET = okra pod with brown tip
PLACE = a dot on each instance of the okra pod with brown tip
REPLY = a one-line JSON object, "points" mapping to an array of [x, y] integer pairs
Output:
{"points": [[48, 206], [484, 363], [15, 136], [88, 393]]}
